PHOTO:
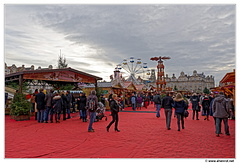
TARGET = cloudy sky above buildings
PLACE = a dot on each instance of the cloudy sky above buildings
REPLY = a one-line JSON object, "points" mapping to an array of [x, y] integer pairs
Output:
{"points": [[95, 38]]}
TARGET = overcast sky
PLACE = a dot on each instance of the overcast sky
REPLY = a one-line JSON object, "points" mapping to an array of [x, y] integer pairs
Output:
{"points": [[95, 38]]}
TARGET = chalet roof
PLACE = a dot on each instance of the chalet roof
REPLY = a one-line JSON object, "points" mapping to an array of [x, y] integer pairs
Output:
{"points": [[129, 85], [140, 87], [104, 84], [64, 74], [229, 77]]}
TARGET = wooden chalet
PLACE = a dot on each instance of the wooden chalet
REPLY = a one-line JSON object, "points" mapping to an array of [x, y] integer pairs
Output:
{"points": [[55, 77]]}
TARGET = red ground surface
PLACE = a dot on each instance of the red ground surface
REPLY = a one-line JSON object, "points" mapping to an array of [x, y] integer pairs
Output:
{"points": [[142, 136]]}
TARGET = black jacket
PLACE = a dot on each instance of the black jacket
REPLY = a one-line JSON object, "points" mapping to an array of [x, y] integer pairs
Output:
{"points": [[206, 103], [57, 104], [114, 106], [167, 102], [180, 106], [195, 101], [81, 102], [48, 99], [157, 99], [69, 100], [64, 99], [40, 100]]}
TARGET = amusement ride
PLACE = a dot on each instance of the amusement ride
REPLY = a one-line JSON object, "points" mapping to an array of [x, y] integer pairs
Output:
{"points": [[131, 68]]}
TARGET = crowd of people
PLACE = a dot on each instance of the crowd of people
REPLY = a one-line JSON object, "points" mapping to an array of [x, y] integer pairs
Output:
{"points": [[217, 105], [50, 106]]}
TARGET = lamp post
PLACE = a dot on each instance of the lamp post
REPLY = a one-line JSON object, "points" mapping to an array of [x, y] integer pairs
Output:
{"points": [[160, 76]]}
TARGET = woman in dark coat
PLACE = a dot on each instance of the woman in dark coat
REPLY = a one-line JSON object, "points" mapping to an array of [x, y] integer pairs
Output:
{"points": [[180, 107], [206, 107], [57, 107], [81, 106], [114, 106]]}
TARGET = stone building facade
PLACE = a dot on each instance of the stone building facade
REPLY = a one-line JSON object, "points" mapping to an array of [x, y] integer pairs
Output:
{"points": [[192, 83]]}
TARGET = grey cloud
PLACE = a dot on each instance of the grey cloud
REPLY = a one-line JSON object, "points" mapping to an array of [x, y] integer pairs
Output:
{"points": [[192, 35]]}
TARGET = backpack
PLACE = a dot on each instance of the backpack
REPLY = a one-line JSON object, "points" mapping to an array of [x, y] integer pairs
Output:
{"points": [[91, 104]]}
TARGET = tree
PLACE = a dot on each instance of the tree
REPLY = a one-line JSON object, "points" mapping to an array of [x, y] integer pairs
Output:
{"points": [[20, 105], [175, 88], [62, 61], [206, 91]]}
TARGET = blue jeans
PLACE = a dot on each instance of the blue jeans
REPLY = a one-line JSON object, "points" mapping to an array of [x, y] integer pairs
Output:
{"points": [[218, 125], [158, 106], [84, 114], [133, 106], [80, 114], [68, 112], [46, 113], [92, 116], [40, 115]]}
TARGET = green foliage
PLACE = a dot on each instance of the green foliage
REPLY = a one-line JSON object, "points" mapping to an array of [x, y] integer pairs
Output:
{"points": [[163, 95], [20, 105], [15, 85], [62, 62], [99, 91], [175, 88], [206, 91], [66, 87]]}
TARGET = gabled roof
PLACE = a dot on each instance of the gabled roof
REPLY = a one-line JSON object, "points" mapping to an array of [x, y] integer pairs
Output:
{"points": [[104, 84], [129, 85], [141, 87], [229, 77], [62, 75]]}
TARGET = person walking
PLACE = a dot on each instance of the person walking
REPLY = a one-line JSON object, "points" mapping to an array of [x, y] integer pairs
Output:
{"points": [[73, 103], [32, 100], [206, 107], [195, 105], [68, 103], [64, 104], [139, 102], [57, 107], [92, 102], [157, 101], [114, 106], [167, 104], [40, 100], [221, 113], [146, 100], [81, 105], [230, 106], [103, 100], [48, 101], [133, 101], [180, 106]]}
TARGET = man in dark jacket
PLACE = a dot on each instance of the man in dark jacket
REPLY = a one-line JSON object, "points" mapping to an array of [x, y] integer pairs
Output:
{"points": [[195, 105], [49, 109], [92, 102], [69, 101], [64, 104], [167, 104], [221, 112], [40, 100], [157, 101]]}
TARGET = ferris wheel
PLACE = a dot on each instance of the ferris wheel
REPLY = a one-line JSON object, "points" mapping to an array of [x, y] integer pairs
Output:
{"points": [[132, 68]]}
